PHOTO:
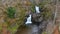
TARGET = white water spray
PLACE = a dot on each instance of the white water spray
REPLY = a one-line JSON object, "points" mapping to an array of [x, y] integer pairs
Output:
{"points": [[37, 9], [29, 20]]}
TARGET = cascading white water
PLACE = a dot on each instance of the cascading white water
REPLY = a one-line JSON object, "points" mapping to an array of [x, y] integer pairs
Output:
{"points": [[29, 20], [37, 9]]}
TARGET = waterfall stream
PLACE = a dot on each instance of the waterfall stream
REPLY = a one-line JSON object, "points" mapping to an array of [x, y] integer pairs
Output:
{"points": [[32, 28], [37, 9], [29, 20]]}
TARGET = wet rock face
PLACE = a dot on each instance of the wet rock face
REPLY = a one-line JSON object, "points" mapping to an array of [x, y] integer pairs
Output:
{"points": [[37, 19]]}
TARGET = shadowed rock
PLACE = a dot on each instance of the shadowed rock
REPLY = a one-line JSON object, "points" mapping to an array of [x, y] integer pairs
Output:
{"points": [[37, 18]]}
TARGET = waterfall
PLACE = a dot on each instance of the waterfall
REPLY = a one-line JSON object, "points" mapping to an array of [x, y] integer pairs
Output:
{"points": [[29, 20], [37, 9]]}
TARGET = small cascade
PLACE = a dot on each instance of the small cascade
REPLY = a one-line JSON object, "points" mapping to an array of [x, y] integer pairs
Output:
{"points": [[28, 20], [37, 9]]}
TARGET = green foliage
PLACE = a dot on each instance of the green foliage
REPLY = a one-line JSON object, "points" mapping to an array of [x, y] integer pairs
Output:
{"points": [[46, 11], [11, 12], [33, 8], [18, 22], [0, 27], [42, 4], [44, 32], [13, 29]]}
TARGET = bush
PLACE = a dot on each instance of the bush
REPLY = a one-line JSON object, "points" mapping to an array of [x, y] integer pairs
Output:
{"points": [[11, 12]]}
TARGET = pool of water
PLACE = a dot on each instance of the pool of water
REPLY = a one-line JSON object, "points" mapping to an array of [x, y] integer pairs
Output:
{"points": [[30, 29]]}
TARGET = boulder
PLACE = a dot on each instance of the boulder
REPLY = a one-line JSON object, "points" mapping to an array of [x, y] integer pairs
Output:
{"points": [[37, 18]]}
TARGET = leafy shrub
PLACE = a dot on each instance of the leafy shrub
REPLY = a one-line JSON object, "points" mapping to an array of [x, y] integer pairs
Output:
{"points": [[11, 12]]}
